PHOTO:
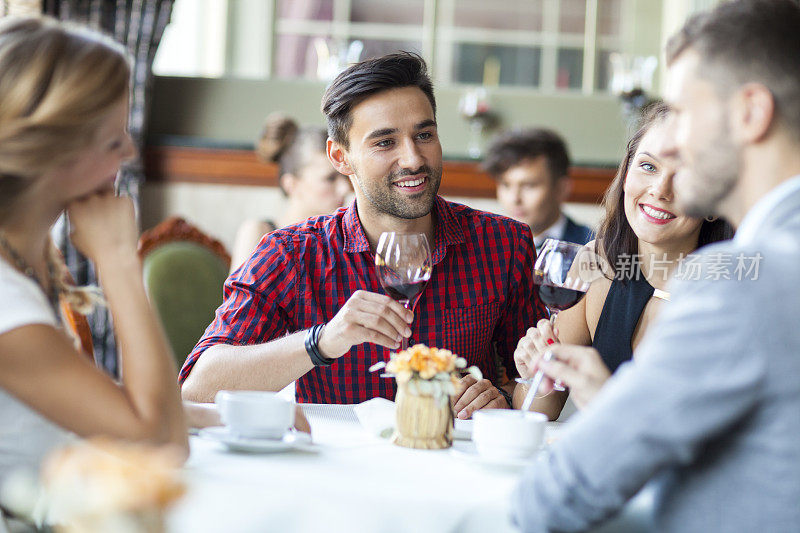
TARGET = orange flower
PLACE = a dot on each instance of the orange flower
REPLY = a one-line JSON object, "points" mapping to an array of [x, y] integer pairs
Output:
{"points": [[427, 362]]}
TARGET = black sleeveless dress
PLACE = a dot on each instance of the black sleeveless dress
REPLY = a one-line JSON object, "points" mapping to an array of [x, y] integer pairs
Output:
{"points": [[622, 309]]}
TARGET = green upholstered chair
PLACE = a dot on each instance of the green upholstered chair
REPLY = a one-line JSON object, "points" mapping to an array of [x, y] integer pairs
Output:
{"points": [[184, 271]]}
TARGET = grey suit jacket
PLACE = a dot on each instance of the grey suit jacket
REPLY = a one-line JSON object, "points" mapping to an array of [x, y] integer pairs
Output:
{"points": [[710, 410]]}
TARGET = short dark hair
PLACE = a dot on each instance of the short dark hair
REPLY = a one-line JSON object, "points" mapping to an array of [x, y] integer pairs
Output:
{"points": [[517, 146], [750, 40], [357, 82], [616, 238]]}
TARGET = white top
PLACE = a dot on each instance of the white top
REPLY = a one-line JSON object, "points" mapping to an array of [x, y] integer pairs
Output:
{"points": [[25, 436], [556, 231]]}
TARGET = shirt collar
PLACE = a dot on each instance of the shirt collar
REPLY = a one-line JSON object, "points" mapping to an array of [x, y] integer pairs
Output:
{"points": [[448, 230], [759, 213], [355, 240], [556, 231]]}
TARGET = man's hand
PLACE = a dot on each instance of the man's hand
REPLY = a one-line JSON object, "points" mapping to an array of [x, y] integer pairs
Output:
{"points": [[365, 317], [579, 368], [473, 395]]}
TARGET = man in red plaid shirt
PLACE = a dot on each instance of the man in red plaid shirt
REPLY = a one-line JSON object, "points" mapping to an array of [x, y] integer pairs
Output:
{"points": [[308, 305]]}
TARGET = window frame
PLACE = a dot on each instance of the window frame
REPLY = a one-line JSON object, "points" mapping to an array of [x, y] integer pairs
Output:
{"points": [[438, 36]]}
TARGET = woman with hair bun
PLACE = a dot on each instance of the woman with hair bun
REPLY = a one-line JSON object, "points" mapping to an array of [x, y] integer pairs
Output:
{"points": [[63, 136], [306, 177]]}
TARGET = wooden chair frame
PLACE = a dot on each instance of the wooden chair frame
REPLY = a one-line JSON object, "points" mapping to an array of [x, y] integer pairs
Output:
{"points": [[177, 229]]}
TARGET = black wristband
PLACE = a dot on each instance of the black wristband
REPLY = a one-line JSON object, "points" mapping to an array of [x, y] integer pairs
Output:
{"points": [[312, 347], [505, 395]]}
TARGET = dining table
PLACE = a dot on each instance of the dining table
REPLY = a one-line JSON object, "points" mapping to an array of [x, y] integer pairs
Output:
{"points": [[352, 480]]}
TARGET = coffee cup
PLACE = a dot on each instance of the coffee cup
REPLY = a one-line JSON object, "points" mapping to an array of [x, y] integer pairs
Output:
{"points": [[507, 434], [255, 414]]}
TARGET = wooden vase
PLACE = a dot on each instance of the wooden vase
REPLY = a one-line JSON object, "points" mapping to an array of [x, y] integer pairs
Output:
{"points": [[423, 421]]}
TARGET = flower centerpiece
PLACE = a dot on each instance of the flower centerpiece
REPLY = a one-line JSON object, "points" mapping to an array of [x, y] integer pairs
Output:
{"points": [[426, 380]]}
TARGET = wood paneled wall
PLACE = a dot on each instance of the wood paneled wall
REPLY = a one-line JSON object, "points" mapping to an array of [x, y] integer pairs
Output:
{"points": [[242, 167]]}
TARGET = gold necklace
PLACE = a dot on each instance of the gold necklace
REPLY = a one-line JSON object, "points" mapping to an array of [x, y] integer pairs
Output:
{"points": [[22, 266]]}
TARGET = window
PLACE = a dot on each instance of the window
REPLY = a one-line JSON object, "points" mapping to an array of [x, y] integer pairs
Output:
{"points": [[548, 45], [194, 40], [317, 38]]}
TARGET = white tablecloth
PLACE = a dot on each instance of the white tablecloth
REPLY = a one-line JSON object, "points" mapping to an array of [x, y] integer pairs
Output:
{"points": [[353, 482]]}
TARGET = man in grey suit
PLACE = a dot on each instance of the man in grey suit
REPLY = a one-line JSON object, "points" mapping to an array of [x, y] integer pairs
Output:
{"points": [[709, 411]]}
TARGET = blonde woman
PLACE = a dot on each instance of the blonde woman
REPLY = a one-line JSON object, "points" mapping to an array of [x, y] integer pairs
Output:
{"points": [[63, 137]]}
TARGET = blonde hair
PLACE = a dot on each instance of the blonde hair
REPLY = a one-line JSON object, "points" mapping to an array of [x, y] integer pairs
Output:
{"points": [[57, 84]]}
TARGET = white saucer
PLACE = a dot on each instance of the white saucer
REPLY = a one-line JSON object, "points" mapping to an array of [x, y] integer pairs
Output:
{"points": [[293, 440], [469, 453]]}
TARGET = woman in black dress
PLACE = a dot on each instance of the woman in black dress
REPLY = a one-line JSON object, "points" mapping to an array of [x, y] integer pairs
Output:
{"points": [[642, 240]]}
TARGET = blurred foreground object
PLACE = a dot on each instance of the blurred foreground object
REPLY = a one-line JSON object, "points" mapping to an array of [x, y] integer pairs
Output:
{"points": [[105, 485]]}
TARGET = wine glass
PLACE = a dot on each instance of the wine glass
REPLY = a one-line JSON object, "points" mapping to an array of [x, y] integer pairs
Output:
{"points": [[404, 266], [563, 273]]}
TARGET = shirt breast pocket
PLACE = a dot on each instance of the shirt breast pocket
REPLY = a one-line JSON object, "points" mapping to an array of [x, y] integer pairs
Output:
{"points": [[468, 332]]}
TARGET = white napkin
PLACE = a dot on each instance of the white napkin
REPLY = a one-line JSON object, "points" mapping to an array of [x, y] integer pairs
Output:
{"points": [[377, 416]]}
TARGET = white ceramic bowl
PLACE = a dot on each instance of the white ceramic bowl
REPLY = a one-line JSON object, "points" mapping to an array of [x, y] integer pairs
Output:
{"points": [[507, 434], [255, 414]]}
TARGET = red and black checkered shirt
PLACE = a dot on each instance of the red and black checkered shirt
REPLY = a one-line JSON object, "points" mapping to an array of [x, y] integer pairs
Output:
{"points": [[479, 299]]}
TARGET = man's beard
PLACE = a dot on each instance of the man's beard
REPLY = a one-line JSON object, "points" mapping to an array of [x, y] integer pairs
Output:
{"points": [[391, 202], [711, 179]]}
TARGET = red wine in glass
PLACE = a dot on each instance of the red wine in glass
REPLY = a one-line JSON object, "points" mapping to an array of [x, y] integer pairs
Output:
{"points": [[404, 266], [559, 298], [560, 273], [405, 292]]}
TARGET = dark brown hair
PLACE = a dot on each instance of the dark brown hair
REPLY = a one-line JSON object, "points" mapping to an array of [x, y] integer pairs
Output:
{"points": [[514, 147], [393, 71], [749, 40], [616, 238]]}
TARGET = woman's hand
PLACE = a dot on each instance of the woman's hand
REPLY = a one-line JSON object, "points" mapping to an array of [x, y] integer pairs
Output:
{"points": [[531, 349], [202, 415], [579, 368], [103, 225]]}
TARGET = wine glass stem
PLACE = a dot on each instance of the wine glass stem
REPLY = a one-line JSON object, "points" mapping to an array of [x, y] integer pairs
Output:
{"points": [[557, 385], [407, 305]]}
